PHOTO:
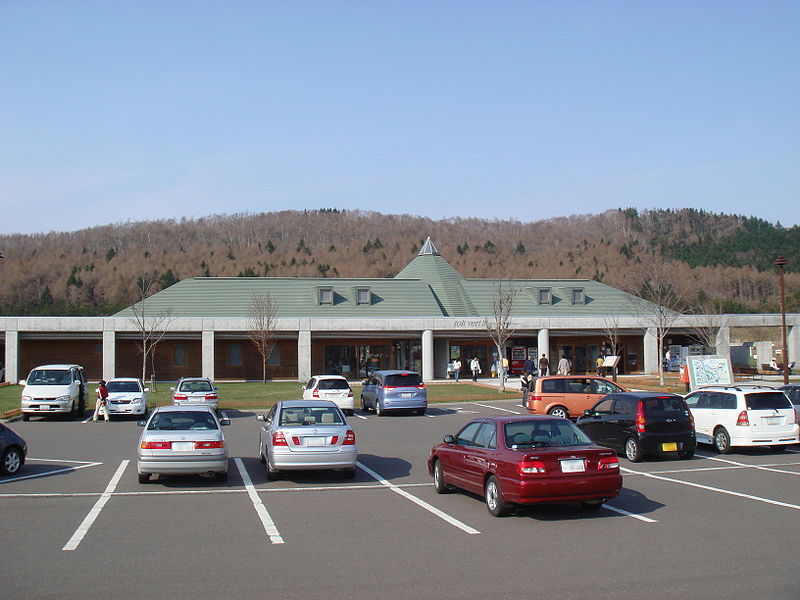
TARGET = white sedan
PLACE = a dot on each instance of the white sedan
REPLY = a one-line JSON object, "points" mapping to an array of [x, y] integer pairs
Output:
{"points": [[126, 396], [330, 387]]}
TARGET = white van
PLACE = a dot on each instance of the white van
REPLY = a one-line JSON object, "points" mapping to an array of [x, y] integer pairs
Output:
{"points": [[54, 389]]}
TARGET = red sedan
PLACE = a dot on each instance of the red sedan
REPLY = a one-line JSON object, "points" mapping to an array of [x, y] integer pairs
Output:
{"points": [[525, 460]]}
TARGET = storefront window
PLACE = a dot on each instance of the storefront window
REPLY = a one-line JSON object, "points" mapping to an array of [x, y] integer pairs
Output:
{"points": [[340, 360], [374, 358]]}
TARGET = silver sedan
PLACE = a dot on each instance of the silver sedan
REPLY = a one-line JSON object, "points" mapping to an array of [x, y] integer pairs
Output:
{"points": [[306, 435], [182, 440]]}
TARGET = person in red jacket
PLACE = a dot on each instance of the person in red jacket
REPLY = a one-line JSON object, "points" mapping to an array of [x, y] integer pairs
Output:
{"points": [[102, 401]]}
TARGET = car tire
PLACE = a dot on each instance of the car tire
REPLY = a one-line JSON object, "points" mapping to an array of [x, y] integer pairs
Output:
{"points": [[378, 409], [494, 498], [12, 461], [261, 455], [363, 404], [349, 412], [559, 411], [722, 440], [686, 453], [421, 411], [26, 417], [144, 477], [633, 451], [272, 474], [438, 479], [593, 504]]}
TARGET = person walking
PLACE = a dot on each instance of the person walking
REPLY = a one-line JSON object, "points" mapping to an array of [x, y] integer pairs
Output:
{"points": [[475, 367], [457, 368], [504, 370], [101, 404], [599, 362], [544, 366], [525, 381], [563, 366]]}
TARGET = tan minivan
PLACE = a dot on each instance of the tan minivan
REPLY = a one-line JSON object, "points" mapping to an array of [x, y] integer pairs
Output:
{"points": [[568, 396]]}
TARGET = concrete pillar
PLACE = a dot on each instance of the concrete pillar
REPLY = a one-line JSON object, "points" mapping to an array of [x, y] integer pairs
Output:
{"points": [[12, 356], [109, 354], [208, 353], [793, 343], [651, 357], [723, 343], [544, 348], [304, 355], [427, 355]]}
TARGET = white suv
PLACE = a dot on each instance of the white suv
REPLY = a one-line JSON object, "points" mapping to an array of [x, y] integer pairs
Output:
{"points": [[743, 415]]}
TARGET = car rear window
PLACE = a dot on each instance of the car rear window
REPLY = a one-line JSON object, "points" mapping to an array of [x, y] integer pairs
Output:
{"points": [[403, 380], [307, 415], [123, 386], [767, 401], [541, 433], [195, 386], [554, 386], [182, 421], [333, 384], [664, 405]]}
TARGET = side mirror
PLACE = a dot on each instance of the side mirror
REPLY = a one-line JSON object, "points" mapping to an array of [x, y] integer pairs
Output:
{"points": [[224, 422], [449, 439], [587, 413], [261, 417], [172, 389], [22, 382], [141, 423], [146, 389], [365, 382]]}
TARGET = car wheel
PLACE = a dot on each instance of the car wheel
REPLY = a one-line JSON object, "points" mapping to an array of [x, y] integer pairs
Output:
{"points": [[26, 417], [494, 499], [144, 477], [438, 479], [558, 411], [378, 409], [12, 461], [363, 404], [633, 452], [349, 473], [686, 453], [420, 411], [349, 412], [722, 440], [593, 504], [272, 474], [221, 476]]}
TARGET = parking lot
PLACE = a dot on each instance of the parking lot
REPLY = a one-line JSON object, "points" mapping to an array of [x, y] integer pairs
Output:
{"points": [[76, 523]]}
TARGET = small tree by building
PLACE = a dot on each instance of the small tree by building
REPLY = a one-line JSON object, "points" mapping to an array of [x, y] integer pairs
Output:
{"points": [[611, 329], [151, 322], [499, 324], [261, 325]]}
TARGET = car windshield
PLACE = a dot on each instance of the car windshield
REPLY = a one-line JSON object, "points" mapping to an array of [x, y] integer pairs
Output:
{"points": [[196, 386], [333, 384], [182, 421], [403, 380], [123, 386], [767, 401], [307, 415], [49, 377], [539, 434]]}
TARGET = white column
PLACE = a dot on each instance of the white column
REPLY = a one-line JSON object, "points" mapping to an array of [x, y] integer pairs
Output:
{"points": [[208, 353], [544, 347], [723, 343], [109, 354], [793, 343], [427, 355], [651, 357], [12, 356], [304, 355]]}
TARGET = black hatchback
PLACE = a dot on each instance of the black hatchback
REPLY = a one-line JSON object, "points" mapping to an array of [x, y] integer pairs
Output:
{"points": [[12, 451], [639, 423]]}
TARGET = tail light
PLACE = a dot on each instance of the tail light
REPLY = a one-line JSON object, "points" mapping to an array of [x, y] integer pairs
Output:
{"points": [[202, 445], [743, 421], [389, 387], [349, 438], [691, 418], [532, 400], [350, 394], [640, 418], [531, 466], [180, 397], [156, 445], [211, 396], [608, 463], [315, 394], [278, 439], [421, 386]]}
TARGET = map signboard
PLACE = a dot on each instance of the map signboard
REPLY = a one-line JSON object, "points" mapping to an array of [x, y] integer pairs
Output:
{"points": [[709, 370]]}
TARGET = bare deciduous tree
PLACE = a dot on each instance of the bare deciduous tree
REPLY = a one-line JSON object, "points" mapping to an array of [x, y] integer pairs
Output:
{"points": [[151, 323], [709, 321], [261, 325], [499, 325], [611, 329], [658, 299]]}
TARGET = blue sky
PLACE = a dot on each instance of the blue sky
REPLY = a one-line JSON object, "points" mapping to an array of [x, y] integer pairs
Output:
{"points": [[131, 110]]}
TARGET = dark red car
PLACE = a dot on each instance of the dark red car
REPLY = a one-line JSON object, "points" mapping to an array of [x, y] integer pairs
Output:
{"points": [[525, 460]]}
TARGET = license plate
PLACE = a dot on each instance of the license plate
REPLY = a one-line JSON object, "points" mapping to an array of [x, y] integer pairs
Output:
{"points": [[315, 441], [406, 395], [669, 447], [182, 446], [573, 466], [771, 420]]}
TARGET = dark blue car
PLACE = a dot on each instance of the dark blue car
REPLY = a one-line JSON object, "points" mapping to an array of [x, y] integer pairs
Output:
{"points": [[13, 450]]}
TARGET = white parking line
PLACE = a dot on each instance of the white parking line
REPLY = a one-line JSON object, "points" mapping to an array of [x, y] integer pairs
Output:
{"points": [[629, 514], [359, 416], [442, 515], [758, 467], [713, 489], [83, 528], [261, 510], [81, 465], [497, 408]]}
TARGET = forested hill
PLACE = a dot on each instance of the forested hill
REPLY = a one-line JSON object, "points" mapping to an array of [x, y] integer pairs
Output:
{"points": [[717, 257]]}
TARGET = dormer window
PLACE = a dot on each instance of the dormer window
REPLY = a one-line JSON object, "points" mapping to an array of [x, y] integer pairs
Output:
{"points": [[326, 295], [578, 297], [545, 296], [363, 296]]}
